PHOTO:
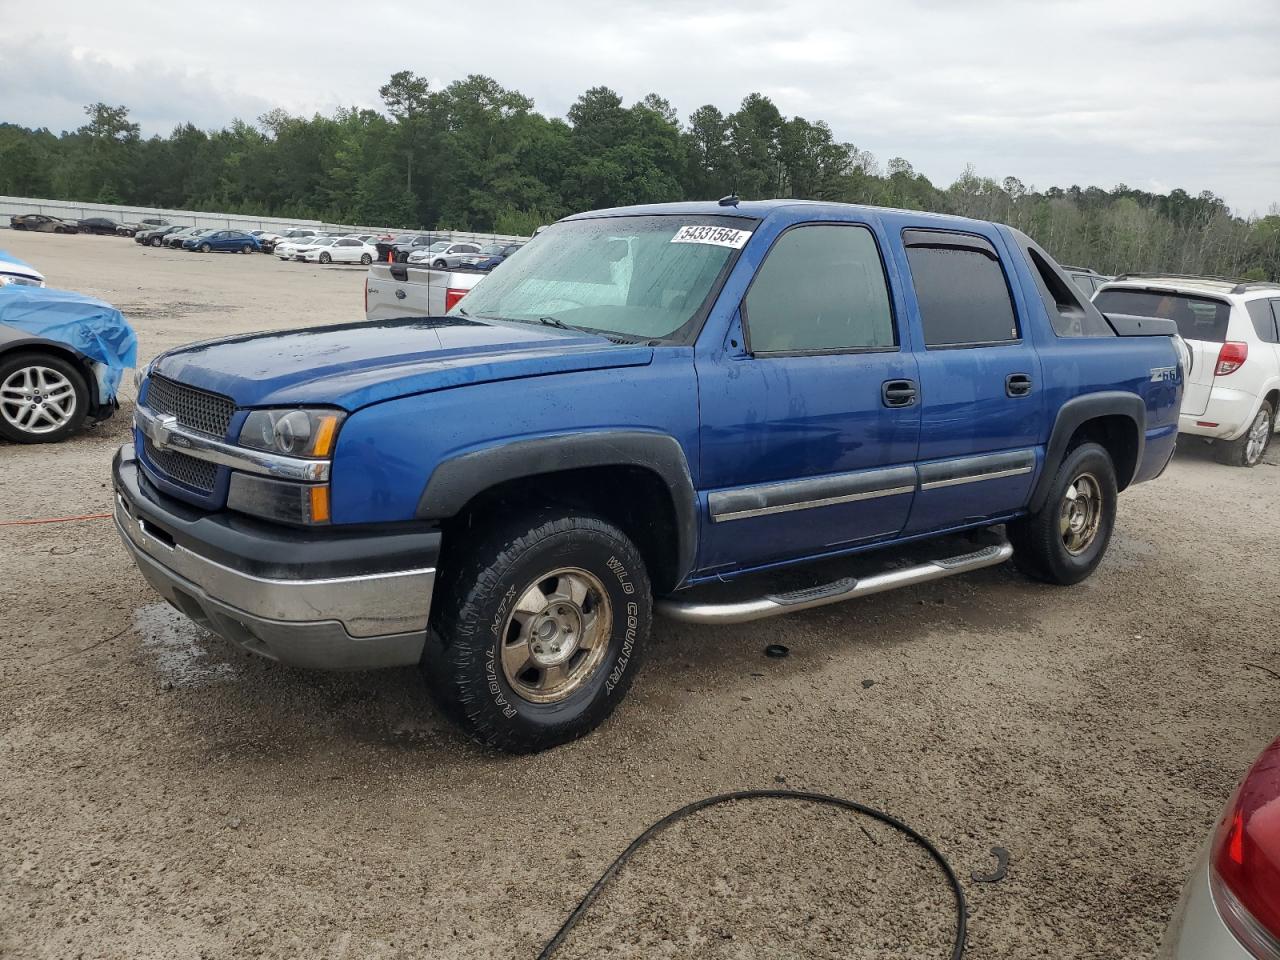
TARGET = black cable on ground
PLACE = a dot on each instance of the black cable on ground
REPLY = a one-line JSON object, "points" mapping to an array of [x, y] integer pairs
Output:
{"points": [[957, 949]]}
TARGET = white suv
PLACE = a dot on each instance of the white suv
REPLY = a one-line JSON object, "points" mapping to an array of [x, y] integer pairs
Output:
{"points": [[1232, 329]]}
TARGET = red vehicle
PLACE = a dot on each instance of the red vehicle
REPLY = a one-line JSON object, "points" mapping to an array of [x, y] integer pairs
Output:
{"points": [[1230, 909]]}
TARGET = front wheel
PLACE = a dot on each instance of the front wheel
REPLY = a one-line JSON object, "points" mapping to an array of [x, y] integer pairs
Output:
{"points": [[325, 258], [1066, 539], [538, 629], [365, 259], [43, 398], [439, 264], [1247, 449], [205, 248]]}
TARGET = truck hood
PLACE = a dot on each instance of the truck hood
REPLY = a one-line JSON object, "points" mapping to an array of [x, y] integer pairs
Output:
{"points": [[352, 365]]}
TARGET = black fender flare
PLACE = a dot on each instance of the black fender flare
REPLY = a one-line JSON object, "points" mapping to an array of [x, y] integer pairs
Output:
{"points": [[1079, 410], [456, 481], [13, 340]]}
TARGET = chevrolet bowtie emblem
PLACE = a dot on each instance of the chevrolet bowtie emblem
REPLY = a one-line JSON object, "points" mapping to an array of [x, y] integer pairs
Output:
{"points": [[162, 431]]}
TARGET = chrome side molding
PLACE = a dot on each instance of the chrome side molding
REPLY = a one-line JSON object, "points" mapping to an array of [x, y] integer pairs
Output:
{"points": [[846, 589]]}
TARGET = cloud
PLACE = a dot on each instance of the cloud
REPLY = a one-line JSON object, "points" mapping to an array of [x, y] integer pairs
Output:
{"points": [[1088, 92]]}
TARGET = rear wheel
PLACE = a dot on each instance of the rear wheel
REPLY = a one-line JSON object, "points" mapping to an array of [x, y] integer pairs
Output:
{"points": [[246, 249], [365, 259], [43, 398], [1247, 449], [537, 633], [1066, 539], [156, 241]]}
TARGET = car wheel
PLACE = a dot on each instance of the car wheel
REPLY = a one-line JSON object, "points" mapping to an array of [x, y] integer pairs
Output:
{"points": [[205, 248], [439, 264], [325, 258], [1248, 449], [246, 249], [365, 259], [156, 241], [43, 398], [537, 634], [1066, 539]]}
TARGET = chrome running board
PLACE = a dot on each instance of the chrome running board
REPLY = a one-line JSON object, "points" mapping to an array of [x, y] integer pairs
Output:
{"points": [[846, 589]]}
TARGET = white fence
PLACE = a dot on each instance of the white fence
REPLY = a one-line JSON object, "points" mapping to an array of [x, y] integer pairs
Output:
{"points": [[75, 210]]}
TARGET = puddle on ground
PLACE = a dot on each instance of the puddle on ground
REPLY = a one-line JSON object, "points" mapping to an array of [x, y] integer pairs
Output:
{"points": [[178, 647]]}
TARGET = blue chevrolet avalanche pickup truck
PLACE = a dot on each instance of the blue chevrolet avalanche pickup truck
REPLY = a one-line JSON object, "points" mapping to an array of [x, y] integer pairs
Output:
{"points": [[643, 400]]}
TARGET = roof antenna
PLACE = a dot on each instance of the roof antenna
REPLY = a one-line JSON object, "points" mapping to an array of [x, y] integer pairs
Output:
{"points": [[730, 201]]}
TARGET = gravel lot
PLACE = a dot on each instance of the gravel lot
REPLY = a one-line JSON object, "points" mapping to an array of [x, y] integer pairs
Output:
{"points": [[163, 795]]}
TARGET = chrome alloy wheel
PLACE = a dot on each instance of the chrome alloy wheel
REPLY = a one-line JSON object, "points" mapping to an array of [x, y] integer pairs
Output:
{"points": [[1257, 438], [556, 635], [1080, 514], [37, 400]]}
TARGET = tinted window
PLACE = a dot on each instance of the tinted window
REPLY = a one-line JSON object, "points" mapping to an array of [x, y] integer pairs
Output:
{"points": [[820, 288], [1198, 318], [1264, 320], [962, 295]]}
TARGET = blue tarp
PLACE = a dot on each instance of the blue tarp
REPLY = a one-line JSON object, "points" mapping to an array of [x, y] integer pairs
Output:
{"points": [[8, 257], [96, 329]]}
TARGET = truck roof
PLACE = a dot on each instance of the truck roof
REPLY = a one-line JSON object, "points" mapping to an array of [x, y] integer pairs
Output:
{"points": [[762, 208]]}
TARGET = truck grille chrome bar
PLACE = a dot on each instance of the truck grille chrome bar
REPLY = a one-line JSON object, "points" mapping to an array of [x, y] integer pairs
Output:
{"points": [[167, 434]]}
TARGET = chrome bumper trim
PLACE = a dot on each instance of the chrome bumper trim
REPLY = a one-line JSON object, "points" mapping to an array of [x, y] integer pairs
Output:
{"points": [[166, 434], [366, 606]]}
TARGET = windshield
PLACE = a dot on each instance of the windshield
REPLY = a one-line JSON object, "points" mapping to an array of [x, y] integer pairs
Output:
{"points": [[439, 246], [326, 242], [491, 250], [1198, 318], [641, 277]]}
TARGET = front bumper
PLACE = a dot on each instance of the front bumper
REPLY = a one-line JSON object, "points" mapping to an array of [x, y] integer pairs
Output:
{"points": [[326, 600]]}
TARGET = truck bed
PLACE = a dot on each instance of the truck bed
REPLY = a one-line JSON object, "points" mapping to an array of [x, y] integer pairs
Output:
{"points": [[404, 290]]}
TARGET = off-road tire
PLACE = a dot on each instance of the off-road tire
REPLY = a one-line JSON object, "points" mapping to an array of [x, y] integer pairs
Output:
{"points": [[1039, 548], [473, 600], [17, 361], [1235, 453]]}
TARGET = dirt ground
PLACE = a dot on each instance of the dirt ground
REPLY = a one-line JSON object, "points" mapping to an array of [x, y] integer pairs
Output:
{"points": [[163, 795]]}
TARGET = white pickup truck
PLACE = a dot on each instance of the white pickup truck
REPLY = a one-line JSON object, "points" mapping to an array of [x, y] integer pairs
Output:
{"points": [[405, 290]]}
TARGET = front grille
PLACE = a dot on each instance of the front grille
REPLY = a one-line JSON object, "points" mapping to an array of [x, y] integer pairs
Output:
{"points": [[208, 413], [198, 474]]}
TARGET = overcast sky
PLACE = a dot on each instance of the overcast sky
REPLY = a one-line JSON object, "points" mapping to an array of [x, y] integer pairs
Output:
{"points": [[1153, 93]]}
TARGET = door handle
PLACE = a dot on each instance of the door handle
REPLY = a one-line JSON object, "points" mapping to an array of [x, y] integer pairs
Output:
{"points": [[1017, 385], [899, 393]]}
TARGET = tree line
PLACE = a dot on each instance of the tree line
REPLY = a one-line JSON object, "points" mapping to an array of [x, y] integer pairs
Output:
{"points": [[477, 156]]}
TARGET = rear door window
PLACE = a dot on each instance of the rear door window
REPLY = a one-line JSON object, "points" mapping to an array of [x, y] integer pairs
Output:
{"points": [[1264, 320], [1198, 318], [962, 293]]}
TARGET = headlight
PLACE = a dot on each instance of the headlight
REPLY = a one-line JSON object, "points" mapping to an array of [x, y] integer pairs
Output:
{"points": [[295, 433]]}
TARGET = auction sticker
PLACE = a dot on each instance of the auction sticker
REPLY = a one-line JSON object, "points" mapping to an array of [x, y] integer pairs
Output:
{"points": [[717, 236]]}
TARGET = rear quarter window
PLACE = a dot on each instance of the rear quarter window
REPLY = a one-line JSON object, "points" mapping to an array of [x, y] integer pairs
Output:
{"points": [[963, 296], [1198, 318]]}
